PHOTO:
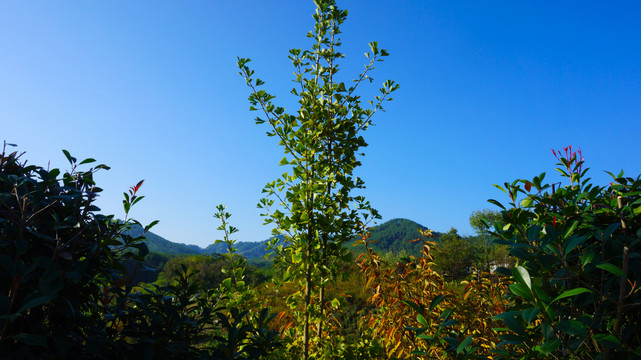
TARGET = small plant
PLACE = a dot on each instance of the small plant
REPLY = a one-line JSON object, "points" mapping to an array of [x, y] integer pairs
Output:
{"points": [[245, 332]]}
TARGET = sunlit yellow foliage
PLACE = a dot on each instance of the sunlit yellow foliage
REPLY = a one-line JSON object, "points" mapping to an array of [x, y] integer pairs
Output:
{"points": [[416, 281]]}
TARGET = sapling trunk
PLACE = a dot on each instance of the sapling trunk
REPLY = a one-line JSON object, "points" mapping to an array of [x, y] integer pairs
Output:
{"points": [[308, 292], [321, 301]]}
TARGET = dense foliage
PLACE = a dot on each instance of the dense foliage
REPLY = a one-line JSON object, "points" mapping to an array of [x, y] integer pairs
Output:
{"points": [[210, 269], [578, 251], [65, 292]]}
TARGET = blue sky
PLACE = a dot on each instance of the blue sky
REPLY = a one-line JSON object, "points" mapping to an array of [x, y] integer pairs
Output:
{"points": [[151, 89]]}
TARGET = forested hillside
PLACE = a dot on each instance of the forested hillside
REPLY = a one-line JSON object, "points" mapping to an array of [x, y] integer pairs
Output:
{"points": [[159, 244], [395, 236]]}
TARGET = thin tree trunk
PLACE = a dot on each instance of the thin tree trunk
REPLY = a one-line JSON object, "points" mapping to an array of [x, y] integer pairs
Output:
{"points": [[308, 291], [321, 300]]}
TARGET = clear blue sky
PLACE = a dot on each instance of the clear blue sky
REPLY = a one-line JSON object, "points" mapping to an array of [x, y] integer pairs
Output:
{"points": [[487, 90]]}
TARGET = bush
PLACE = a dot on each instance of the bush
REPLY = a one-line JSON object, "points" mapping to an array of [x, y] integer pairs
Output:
{"points": [[576, 283], [64, 292], [58, 258]]}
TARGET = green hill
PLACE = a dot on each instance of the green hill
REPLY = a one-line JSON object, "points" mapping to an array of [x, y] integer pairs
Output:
{"points": [[159, 244], [395, 236], [248, 249]]}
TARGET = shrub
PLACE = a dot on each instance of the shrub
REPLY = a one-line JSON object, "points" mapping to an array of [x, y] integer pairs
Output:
{"points": [[576, 283], [64, 292]]}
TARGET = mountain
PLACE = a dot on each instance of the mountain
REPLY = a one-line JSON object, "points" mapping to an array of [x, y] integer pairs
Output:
{"points": [[159, 244], [395, 236], [392, 236], [248, 249]]}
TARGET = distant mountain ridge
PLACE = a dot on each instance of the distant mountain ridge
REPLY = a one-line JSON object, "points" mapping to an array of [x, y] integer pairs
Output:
{"points": [[159, 244], [393, 235]]}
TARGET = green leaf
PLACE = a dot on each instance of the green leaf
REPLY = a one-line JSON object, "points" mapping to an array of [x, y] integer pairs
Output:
{"points": [[527, 202], [550, 346], [522, 291], [512, 339], [608, 340], [335, 303], [522, 276], [448, 323], [571, 229], [515, 325], [492, 201], [87, 161], [297, 257], [529, 314], [572, 327], [71, 159], [421, 320], [437, 300], [227, 283], [500, 188], [546, 330], [533, 233], [572, 292], [464, 344], [419, 309], [612, 269], [152, 224], [576, 241], [610, 230], [587, 258]]}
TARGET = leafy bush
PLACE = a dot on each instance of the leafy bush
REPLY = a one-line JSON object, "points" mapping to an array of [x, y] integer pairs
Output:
{"points": [[58, 257], [64, 292], [576, 283]]}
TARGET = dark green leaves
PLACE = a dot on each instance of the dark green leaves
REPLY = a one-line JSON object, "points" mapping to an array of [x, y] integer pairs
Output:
{"points": [[612, 269], [72, 160], [61, 262], [571, 292], [575, 243], [572, 327]]}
